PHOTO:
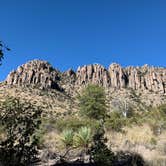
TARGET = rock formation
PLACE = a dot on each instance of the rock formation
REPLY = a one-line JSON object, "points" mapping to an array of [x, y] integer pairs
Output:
{"points": [[36, 72], [43, 75], [118, 77], [95, 74]]}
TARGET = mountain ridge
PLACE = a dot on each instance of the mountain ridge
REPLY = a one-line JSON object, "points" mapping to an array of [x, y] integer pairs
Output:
{"points": [[39, 72]]}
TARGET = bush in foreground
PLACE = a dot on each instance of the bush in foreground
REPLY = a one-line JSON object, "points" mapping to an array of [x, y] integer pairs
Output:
{"points": [[20, 121]]}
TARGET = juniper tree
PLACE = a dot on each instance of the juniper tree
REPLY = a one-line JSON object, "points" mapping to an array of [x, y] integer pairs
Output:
{"points": [[99, 152], [92, 102]]}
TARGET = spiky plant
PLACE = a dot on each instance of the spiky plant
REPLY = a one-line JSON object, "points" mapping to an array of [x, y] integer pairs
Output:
{"points": [[83, 138], [67, 138]]}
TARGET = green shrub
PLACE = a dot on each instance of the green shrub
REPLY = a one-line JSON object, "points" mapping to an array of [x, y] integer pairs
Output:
{"points": [[115, 122], [75, 123], [153, 141], [20, 121], [67, 138], [156, 118]]}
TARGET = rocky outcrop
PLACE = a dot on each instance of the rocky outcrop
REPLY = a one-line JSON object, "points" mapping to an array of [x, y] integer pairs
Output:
{"points": [[42, 74], [36, 72], [118, 77], [95, 74], [147, 78]]}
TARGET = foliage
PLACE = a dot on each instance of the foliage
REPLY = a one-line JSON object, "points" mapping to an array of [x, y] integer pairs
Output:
{"points": [[153, 141], [123, 106], [116, 121], [67, 138], [3, 47], [83, 137], [20, 121], [80, 139], [100, 154], [92, 102], [2, 133], [75, 123], [156, 118]]}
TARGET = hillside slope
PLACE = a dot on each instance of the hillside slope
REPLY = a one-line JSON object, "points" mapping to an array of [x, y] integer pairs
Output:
{"points": [[146, 85]]}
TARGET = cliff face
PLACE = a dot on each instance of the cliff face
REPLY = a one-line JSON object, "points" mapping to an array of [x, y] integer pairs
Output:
{"points": [[42, 74], [138, 78], [95, 74], [35, 72]]}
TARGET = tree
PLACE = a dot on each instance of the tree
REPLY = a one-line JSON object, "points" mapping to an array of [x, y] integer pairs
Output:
{"points": [[3, 47], [92, 102], [20, 121], [123, 106], [99, 152]]}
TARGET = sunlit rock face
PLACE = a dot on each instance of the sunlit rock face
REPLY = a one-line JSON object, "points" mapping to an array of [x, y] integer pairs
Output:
{"points": [[94, 74], [147, 78], [36, 72], [43, 75], [138, 78], [118, 76]]}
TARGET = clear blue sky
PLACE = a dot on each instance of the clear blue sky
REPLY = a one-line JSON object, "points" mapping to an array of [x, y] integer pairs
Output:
{"points": [[69, 33]]}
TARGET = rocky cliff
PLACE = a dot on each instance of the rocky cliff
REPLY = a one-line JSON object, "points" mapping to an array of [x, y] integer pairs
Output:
{"points": [[43, 75], [36, 72]]}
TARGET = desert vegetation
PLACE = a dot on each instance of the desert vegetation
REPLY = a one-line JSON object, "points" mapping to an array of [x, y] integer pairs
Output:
{"points": [[135, 134], [92, 135], [19, 122]]}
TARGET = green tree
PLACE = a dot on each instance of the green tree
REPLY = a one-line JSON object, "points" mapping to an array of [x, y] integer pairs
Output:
{"points": [[20, 121], [92, 102], [3, 47], [99, 152]]}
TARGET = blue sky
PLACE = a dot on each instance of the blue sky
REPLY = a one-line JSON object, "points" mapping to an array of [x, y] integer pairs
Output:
{"points": [[69, 33]]}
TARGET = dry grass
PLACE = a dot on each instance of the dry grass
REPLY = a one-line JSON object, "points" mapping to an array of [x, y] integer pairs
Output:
{"points": [[52, 141], [139, 139], [139, 134]]}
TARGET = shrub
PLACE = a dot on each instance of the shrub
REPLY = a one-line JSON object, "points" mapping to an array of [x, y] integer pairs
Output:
{"points": [[75, 123], [20, 121], [153, 141], [67, 138], [156, 119], [83, 137], [115, 122]]}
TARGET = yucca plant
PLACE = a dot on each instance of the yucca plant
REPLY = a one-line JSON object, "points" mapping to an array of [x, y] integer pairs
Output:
{"points": [[82, 140], [83, 137], [67, 138]]}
